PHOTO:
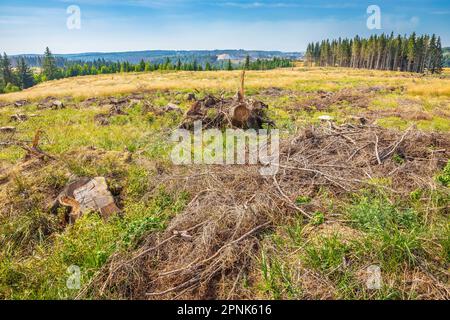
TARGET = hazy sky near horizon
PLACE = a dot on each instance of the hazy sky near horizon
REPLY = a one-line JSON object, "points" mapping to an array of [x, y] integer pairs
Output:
{"points": [[28, 26]]}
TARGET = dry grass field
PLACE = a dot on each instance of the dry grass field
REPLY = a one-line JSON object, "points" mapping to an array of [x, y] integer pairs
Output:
{"points": [[299, 78], [341, 203]]}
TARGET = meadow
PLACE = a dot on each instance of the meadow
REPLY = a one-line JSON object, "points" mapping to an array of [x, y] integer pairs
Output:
{"points": [[406, 234], [298, 78]]}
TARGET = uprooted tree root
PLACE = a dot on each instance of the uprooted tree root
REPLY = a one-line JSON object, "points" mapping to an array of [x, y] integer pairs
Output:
{"points": [[209, 246], [237, 112]]}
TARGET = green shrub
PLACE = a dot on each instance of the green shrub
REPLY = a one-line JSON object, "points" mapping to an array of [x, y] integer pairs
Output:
{"points": [[302, 200], [444, 177], [327, 254], [318, 218], [11, 88], [376, 213]]}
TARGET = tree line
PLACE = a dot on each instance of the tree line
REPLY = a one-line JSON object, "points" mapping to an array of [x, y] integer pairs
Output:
{"points": [[382, 52], [101, 66], [22, 76]]}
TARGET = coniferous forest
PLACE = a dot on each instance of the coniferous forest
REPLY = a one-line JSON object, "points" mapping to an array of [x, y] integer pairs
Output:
{"points": [[382, 52]]}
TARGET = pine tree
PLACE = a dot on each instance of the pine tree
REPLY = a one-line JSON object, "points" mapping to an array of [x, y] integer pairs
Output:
{"points": [[247, 63], [49, 68], [94, 70], [85, 70], [439, 59], [6, 70], [142, 65], [24, 74], [229, 65], [167, 64], [104, 69]]}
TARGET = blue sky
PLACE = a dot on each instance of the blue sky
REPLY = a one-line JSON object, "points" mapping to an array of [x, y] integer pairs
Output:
{"points": [[28, 26]]}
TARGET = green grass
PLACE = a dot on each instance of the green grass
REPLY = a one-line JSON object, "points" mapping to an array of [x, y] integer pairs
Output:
{"points": [[327, 254], [435, 124], [374, 213], [278, 279], [87, 244], [393, 232], [444, 177]]}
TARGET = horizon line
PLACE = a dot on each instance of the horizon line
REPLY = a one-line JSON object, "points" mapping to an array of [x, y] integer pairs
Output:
{"points": [[152, 50]]}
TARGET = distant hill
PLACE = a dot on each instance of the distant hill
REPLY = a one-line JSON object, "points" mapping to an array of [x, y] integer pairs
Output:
{"points": [[158, 56]]}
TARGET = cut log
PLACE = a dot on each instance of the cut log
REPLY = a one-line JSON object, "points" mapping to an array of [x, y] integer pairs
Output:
{"points": [[19, 117], [21, 103], [7, 129], [84, 195], [57, 105]]}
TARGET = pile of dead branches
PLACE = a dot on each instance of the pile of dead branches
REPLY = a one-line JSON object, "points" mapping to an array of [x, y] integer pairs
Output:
{"points": [[356, 97], [208, 248]]}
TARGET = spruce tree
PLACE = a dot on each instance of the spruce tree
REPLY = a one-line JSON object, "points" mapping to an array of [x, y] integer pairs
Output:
{"points": [[439, 60], [247, 63], [229, 65], [24, 74], [142, 65], [167, 64], [6, 70], [49, 68]]}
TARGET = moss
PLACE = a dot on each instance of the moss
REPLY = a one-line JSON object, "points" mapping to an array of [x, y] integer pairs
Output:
{"points": [[393, 122], [436, 124]]}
